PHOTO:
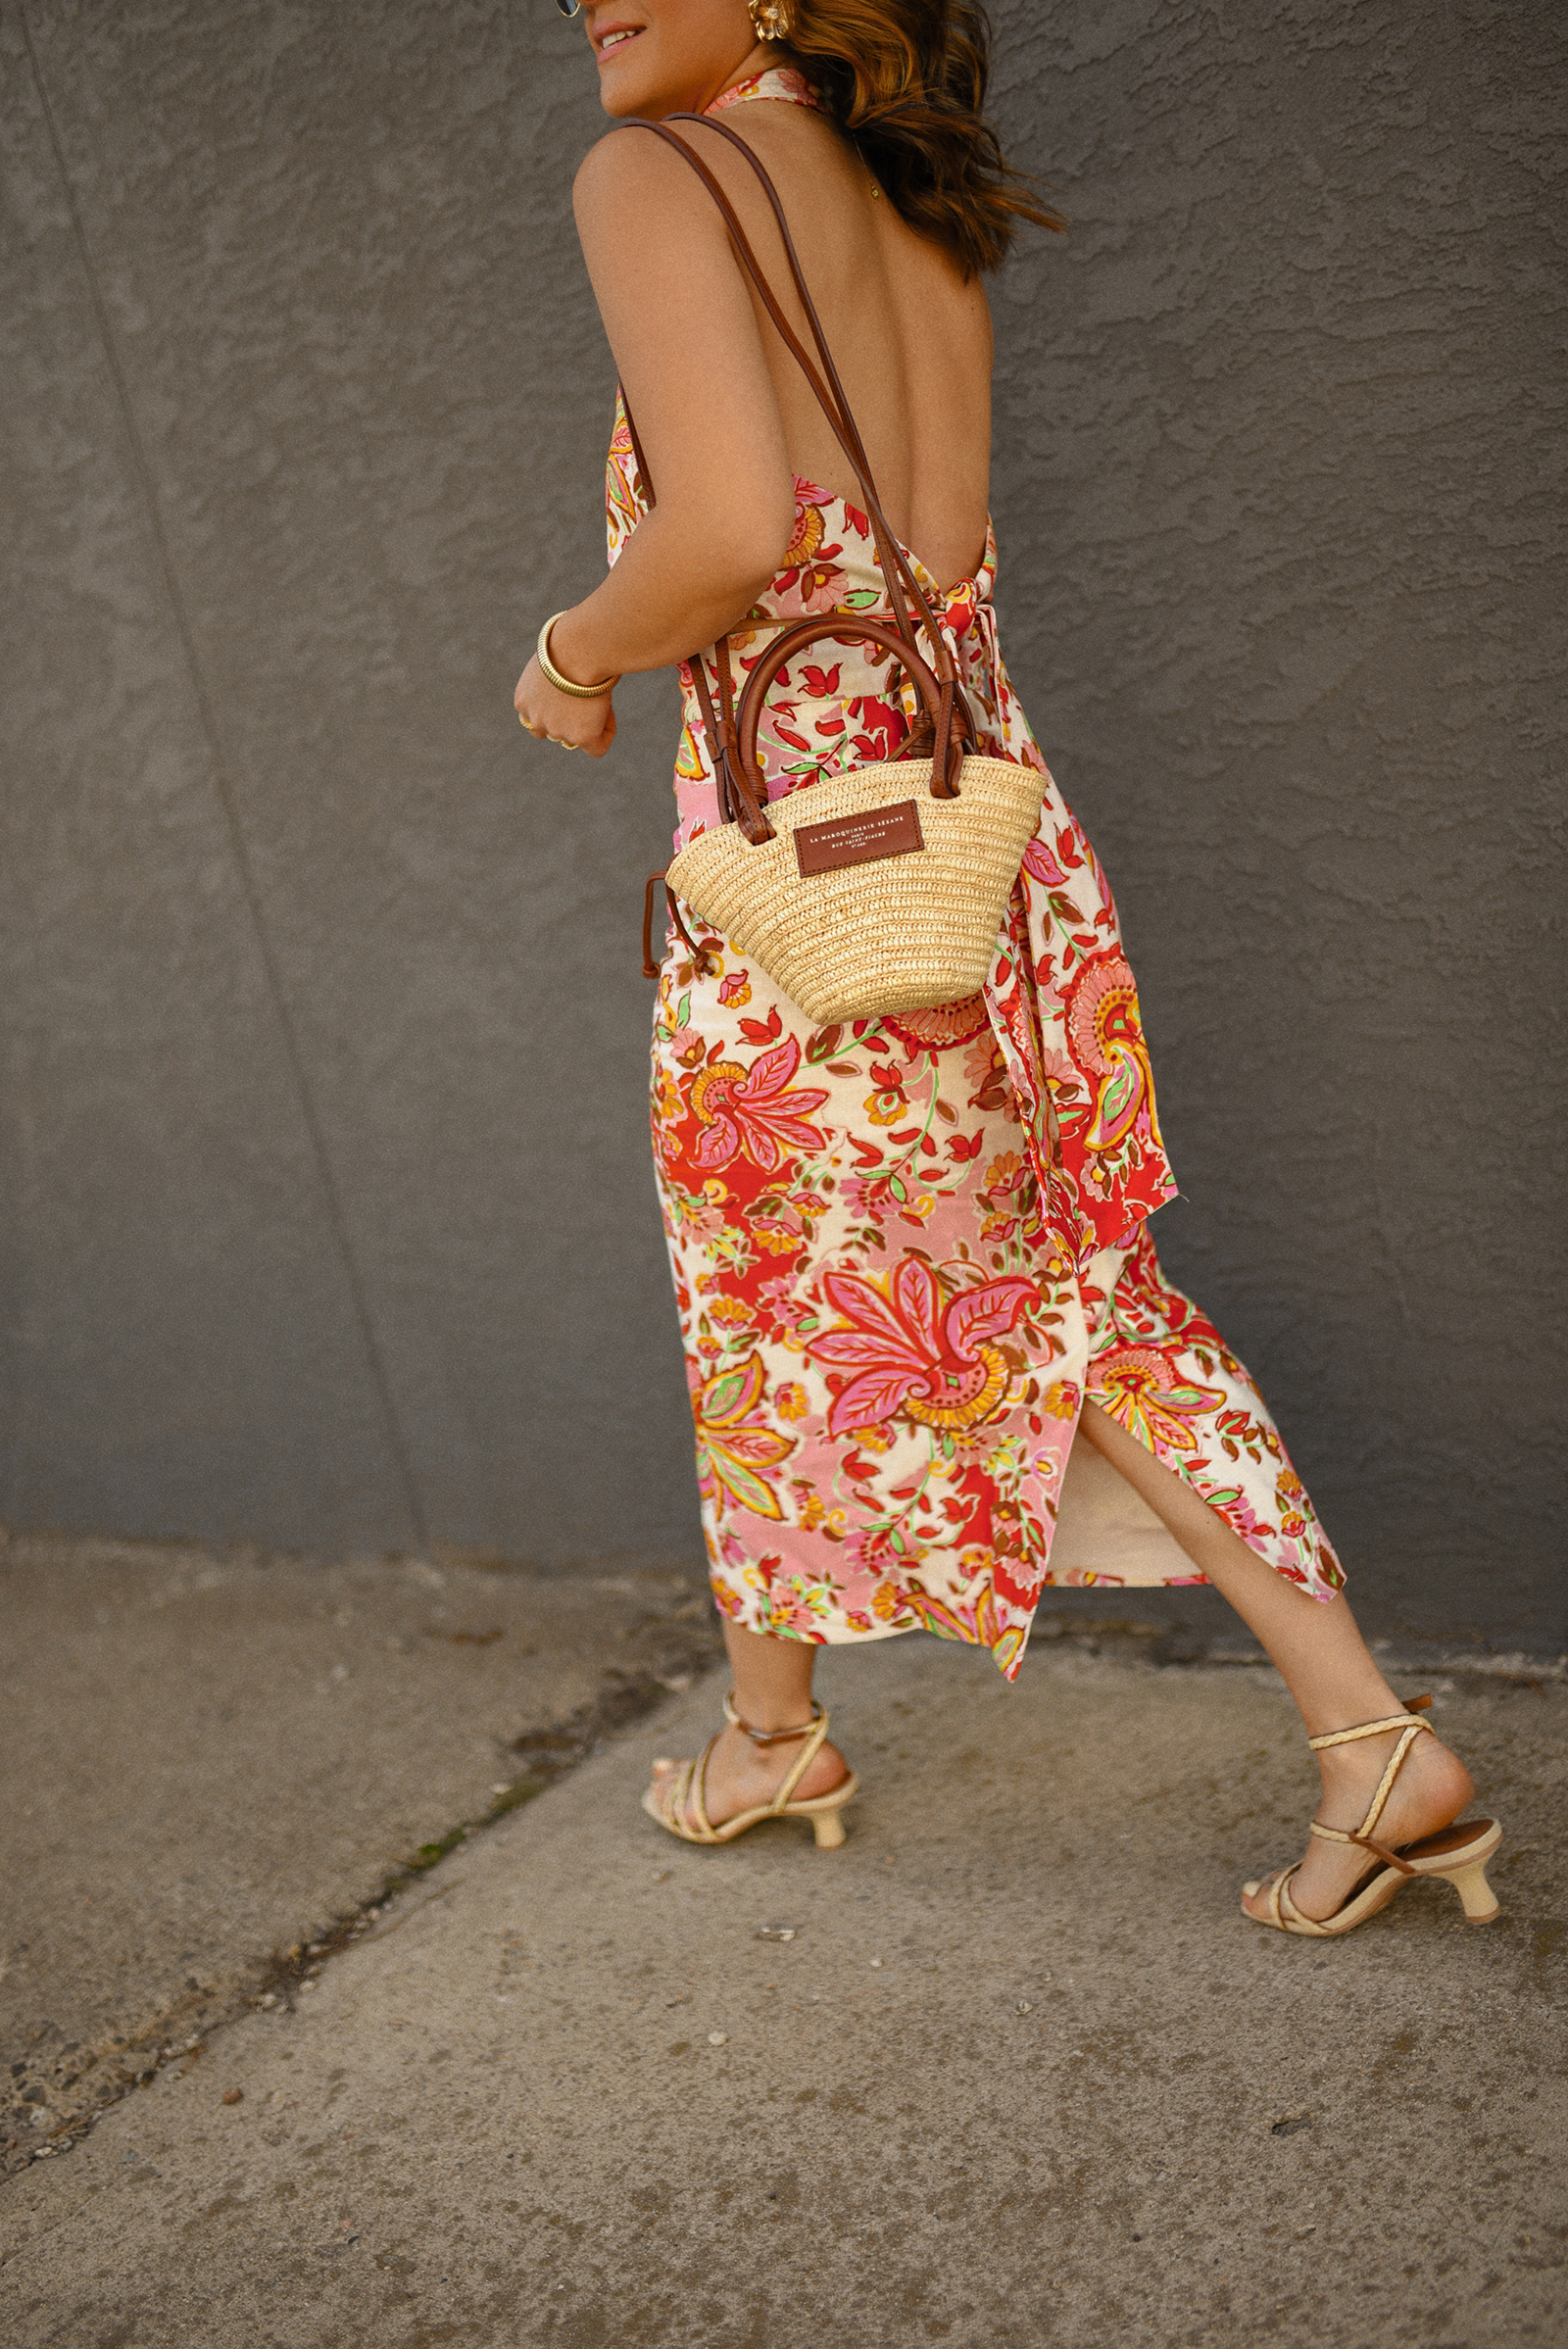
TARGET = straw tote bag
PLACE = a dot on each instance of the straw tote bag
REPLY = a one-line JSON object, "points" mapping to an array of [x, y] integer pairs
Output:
{"points": [[882, 888]]}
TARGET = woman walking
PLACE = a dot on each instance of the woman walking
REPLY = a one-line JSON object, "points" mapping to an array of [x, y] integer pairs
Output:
{"points": [[911, 1252]]}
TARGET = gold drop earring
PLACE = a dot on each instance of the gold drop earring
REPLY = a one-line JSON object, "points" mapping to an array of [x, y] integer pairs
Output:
{"points": [[769, 19]]}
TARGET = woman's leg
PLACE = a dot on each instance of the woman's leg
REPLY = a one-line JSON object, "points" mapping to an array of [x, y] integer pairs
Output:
{"points": [[773, 1683], [1323, 1661]]}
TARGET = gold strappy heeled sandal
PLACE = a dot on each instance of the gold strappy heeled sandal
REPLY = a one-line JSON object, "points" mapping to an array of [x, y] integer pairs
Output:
{"points": [[678, 1803], [1460, 1852]]}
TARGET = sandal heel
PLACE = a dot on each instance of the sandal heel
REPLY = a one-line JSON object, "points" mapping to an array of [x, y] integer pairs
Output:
{"points": [[1432, 1856], [1481, 1903], [828, 1829]]}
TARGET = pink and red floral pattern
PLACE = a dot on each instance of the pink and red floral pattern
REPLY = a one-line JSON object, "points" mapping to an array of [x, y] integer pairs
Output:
{"points": [[906, 1249]]}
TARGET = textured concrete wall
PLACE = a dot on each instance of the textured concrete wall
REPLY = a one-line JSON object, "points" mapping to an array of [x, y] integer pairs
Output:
{"points": [[326, 1210]]}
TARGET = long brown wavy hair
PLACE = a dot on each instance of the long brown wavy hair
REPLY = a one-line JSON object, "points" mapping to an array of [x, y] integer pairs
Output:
{"points": [[907, 79]]}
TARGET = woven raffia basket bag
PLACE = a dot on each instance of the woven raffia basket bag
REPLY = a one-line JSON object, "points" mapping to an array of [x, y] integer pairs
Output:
{"points": [[874, 893], [881, 889]]}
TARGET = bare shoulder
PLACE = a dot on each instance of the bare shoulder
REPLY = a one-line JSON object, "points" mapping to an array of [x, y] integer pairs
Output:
{"points": [[630, 176], [621, 170]]}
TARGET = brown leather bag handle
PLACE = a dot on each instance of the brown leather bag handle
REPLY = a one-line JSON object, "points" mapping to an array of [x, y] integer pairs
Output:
{"points": [[895, 570], [738, 803], [847, 628]]}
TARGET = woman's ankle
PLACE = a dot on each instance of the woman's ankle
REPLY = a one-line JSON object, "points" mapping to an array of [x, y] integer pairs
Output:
{"points": [[774, 1716], [1347, 1772]]}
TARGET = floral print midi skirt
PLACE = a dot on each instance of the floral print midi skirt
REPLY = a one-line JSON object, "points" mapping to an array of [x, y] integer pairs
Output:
{"points": [[907, 1250]]}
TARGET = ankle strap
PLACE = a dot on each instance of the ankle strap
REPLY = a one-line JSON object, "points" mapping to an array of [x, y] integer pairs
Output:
{"points": [[771, 1736], [1412, 1725], [1375, 1729], [814, 1732]]}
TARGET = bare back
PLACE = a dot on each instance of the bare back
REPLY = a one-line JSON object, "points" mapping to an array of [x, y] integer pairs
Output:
{"points": [[911, 340]]}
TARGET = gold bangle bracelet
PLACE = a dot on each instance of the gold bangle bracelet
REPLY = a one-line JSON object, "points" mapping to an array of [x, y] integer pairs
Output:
{"points": [[578, 693]]}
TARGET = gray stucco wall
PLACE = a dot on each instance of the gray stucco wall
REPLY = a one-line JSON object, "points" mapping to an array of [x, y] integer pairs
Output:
{"points": [[327, 1219]]}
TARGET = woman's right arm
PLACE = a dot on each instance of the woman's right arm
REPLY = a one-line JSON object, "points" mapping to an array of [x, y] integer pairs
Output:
{"points": [[689, 352]]}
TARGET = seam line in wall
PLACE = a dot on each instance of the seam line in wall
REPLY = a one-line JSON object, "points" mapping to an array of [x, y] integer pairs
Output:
{"points": [[208, 723]]}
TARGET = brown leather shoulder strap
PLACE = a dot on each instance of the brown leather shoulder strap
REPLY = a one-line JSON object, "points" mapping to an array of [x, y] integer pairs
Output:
{"points": [[845, 414], [792, 260], [896, 572]]}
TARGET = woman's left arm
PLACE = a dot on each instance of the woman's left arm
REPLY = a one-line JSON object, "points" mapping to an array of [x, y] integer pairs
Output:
{"points": [[689, 350]]}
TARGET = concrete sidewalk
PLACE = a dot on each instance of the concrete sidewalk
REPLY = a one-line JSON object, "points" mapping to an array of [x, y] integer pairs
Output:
{"points": [[214, 1759], [1019, 2074]]}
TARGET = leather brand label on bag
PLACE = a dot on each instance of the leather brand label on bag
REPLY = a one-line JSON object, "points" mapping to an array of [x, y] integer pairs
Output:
{"points": [[858, 839]]}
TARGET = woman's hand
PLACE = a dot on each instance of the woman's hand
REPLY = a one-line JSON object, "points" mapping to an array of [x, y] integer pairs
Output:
{"points": [[561, 718]]}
